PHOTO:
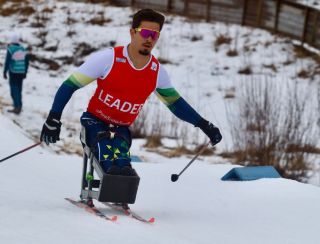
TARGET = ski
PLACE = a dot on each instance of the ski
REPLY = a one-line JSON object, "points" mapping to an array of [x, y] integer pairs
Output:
{"points": [[127, 211], [92, 210]]}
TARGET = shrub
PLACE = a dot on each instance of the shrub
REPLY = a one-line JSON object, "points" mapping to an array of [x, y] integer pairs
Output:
{"points": [[273, 126]]}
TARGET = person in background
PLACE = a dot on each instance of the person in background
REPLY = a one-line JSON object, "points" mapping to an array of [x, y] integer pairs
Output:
{"points": [[126, 76], [16, 64]]}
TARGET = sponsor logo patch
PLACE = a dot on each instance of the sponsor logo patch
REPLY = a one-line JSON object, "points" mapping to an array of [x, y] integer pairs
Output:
{"points": [[154, 66], [121, 60]]}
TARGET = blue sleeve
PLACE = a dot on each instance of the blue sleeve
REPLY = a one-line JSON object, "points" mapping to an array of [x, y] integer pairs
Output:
{"points": [[61, 98], [7, 62], [184, 111]]}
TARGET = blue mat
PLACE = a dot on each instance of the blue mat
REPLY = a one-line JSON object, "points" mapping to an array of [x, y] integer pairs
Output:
{"points": [[251, 173], [135, 159]]}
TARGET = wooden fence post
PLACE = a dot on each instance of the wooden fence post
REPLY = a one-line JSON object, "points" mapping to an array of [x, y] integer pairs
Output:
{"points": [[305, 26], [186, 7], [208, 11], [278, 5], [314, 28], [244, 12], [169, 6], [259, 13]]}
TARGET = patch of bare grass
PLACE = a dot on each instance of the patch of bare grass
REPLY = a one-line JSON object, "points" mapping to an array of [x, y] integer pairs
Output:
{"points": [[232, 53], [245, 70], [221, 40], [273, 67]]}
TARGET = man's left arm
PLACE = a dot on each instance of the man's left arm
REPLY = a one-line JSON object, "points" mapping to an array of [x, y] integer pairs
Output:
{"points": [[180, 108]]}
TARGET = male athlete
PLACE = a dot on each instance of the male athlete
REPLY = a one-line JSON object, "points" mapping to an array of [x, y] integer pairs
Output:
{"points": [[126, 76]]}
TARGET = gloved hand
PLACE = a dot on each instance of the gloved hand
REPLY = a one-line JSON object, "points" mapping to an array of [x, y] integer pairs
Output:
{"points": [[51, 129], [210, 130], [5, 75]]}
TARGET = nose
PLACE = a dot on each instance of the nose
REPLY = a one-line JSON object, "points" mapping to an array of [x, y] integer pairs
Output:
{"points": [[149, 38]]}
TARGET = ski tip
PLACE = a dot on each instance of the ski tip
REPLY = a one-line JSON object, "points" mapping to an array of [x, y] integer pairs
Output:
{"points": [[114, 218], [151, 220]]}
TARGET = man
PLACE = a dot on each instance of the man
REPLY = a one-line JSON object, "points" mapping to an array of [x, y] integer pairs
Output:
{"points": [[16, 63], [125, 76]]}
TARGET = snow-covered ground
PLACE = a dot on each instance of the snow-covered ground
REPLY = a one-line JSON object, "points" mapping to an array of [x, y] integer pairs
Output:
{"points": [[198, 208]]}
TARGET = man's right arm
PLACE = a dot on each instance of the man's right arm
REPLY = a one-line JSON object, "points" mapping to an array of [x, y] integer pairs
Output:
{"points": [[66, 90], [96, 66]]}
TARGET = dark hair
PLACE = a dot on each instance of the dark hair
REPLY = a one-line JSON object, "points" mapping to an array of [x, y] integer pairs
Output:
{"points": [[147, 15]]}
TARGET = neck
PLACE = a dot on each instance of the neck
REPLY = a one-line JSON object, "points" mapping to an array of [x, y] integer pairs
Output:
{"points": [[138, 60]]}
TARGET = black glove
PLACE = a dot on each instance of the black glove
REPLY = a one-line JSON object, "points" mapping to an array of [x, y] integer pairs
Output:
{"points": [[5, 75], [51, 129], [210, 130]]}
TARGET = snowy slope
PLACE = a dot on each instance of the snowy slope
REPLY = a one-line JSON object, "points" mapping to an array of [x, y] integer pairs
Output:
{"points": [[199, 208]]}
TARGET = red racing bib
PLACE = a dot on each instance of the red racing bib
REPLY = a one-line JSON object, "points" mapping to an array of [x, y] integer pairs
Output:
{"points": [[121, 95]]}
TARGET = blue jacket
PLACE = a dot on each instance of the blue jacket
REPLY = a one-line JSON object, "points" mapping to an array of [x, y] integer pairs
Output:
{"points": [[17, 60]]}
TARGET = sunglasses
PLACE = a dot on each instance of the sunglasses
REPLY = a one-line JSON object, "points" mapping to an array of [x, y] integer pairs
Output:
{"points": [[145, 33]]}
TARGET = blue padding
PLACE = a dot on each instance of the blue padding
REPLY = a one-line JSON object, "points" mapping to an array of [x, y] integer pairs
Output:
{"points": [[135, 159], [251, 173]]}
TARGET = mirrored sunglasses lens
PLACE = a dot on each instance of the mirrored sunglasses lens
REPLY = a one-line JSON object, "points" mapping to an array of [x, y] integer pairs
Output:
{"points": [[146, 33], [155, 35]]}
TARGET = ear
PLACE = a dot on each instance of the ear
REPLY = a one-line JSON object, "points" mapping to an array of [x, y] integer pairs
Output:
{"points": [[132, 32]]}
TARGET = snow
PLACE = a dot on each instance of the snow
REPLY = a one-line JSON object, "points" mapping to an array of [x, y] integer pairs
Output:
{"points": [[198, 208]]}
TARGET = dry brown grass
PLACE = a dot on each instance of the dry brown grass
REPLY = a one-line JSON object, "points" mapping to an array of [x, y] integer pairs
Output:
{"points": [[221, 40], [99, 19], [272, 129], [164, 60], [229, 96], [304, 74], [195, 38], [50, 63], [153, 141], [245, 71], [271, 66], [288, 62], [175, 152], [302, 52], [232, 53], [15, 8]]}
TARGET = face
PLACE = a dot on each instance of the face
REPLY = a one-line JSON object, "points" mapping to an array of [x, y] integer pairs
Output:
{"points": [[142, 44]]}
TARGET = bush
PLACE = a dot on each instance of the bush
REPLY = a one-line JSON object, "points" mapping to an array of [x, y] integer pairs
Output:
{"points": [[273, 126]]}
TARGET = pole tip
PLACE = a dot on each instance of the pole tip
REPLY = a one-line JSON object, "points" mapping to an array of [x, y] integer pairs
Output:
{"points": [[174, 177]]}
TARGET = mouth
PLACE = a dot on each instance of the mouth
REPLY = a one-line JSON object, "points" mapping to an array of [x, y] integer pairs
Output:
{"points": [[147, 45]]}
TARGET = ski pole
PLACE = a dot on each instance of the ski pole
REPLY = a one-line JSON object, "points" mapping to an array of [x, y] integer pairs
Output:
{"points": [[23, 150], [175, 177]]}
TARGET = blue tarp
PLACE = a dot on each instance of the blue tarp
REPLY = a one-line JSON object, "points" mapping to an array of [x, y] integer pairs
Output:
{"points": [[251, 173], [135, 159]]}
